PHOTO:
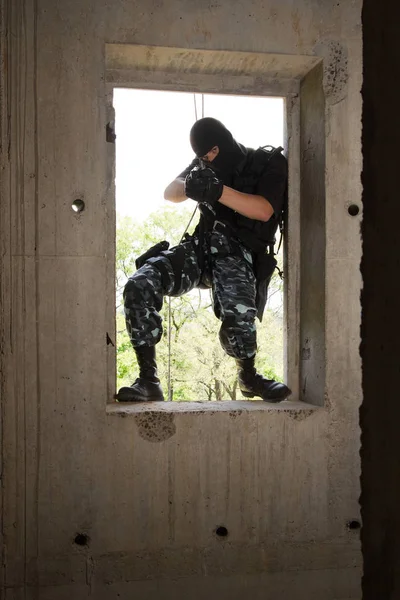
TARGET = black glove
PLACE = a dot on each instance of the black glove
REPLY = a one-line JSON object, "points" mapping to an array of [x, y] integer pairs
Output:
{"points": [[203, 185]]}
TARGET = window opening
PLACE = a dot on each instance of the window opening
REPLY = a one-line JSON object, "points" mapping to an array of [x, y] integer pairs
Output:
{"points": [[152, 147]]}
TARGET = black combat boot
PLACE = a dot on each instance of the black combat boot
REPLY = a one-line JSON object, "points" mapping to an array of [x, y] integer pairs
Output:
{"points": [[253, 384], [147, 386]]}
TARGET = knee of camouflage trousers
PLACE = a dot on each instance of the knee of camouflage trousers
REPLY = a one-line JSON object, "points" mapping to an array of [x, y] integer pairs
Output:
{"points": [[238, 339], [144, 291], [143, 299], [234, 296]]}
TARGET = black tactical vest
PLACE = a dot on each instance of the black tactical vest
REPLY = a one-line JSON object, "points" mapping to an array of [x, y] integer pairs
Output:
{"points": [[257, 235]]}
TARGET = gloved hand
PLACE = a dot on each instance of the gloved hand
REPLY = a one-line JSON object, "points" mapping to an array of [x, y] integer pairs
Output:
{"points": [[203, 185]]}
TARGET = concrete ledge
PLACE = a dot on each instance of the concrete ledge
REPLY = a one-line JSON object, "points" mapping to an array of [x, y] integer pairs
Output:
{"points": [[199, 61], [133, 408]]}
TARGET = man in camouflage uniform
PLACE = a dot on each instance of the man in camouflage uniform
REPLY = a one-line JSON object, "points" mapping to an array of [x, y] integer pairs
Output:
{"points": [[215, 256]]}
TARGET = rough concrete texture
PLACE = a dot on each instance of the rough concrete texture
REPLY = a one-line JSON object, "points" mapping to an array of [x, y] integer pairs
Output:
{"points": [[156, 426], [380, 347], [284, 487]]}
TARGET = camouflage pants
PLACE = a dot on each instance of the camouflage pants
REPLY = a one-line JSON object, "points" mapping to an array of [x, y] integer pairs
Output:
{"points": [[227, 270]]}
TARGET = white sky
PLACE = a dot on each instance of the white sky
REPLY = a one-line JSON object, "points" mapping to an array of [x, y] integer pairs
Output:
{"points": [[152, 145]]}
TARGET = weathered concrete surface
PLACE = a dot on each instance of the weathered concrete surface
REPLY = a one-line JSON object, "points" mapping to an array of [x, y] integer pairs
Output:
{"points": [[380, 347], [149, 493]]}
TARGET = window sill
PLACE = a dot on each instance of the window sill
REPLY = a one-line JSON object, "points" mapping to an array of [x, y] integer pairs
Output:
{"points": [[238, 406]]}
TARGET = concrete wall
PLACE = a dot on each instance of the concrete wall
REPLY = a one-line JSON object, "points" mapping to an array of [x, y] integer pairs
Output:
{"points": [[380, 346], [148, 489], [313, 237]]}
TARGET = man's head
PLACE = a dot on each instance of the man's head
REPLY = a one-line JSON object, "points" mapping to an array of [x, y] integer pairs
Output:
{"points": [[208, 134], [214, 143]]}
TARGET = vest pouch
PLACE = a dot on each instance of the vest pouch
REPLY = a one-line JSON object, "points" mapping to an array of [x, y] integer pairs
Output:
{"points": [[256, 234], [176, 259], [264, 266], [151, 253]]}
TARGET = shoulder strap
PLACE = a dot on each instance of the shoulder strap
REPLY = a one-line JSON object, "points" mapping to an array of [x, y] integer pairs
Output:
{"points": [[272, 151]]}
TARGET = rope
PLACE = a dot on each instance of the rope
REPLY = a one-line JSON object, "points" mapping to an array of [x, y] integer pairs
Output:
{"points": [[169, 349], [184, 233], [195, 106], [202, 114], [188, 225]]}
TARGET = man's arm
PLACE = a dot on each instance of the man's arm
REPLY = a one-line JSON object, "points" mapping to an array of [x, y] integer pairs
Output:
{"points": [[269, 196], [175, 191], [249, 205]]}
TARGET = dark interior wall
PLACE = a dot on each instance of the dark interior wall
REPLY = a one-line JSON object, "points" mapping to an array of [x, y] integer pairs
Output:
{"points": [[380, 329]]}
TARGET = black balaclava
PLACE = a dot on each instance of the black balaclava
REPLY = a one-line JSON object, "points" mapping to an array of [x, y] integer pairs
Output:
{"points": [[207, 133]]}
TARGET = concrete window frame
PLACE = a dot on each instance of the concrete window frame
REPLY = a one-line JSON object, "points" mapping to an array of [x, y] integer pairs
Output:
{"points": [[298, 79]]}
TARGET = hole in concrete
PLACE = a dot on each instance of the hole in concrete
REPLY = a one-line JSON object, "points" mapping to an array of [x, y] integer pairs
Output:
{"points": [[352, 525], [78, 206], [81, 539], [221, 531], [353, 210]]}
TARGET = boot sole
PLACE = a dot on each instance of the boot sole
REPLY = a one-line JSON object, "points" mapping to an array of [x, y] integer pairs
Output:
{"points": [[266, 399], [133, 398]]}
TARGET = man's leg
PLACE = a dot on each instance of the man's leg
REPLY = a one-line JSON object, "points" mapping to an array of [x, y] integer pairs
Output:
{"points": [[234, 289], [143, 300]]}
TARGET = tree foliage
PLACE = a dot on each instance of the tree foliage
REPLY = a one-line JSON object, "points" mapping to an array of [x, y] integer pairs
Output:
{"points": [[191, 362]]}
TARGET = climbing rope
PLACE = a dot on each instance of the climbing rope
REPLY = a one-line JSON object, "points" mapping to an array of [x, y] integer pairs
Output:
{"points": [[169, 298]]}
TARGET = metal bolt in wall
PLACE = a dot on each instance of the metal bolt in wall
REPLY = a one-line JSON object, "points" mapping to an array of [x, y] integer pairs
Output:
{"points": [[78, 206]]}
